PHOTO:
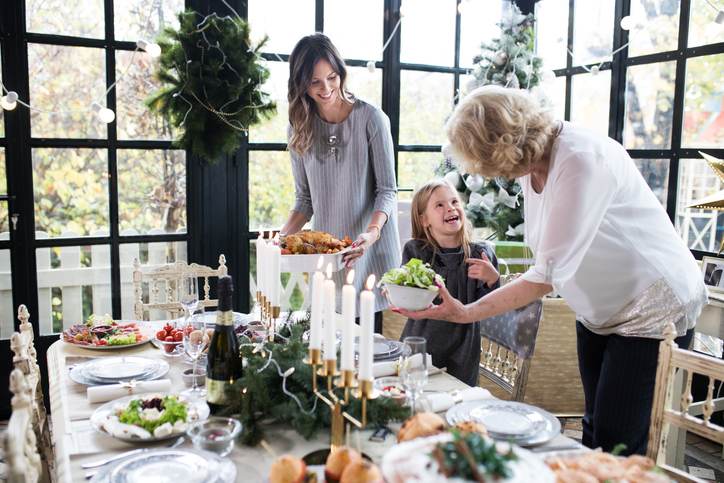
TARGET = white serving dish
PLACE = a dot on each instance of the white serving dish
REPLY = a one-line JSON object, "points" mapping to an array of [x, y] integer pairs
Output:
{"points": [[410, 298], [310, 263]]}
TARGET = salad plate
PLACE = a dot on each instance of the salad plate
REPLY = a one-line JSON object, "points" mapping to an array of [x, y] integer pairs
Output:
{"points": [[121, 368], [148, 417], [179, 465], [79, 375], [104, 333]]}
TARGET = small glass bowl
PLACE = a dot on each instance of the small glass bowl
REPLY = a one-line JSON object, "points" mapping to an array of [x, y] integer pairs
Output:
{"points": [[215, 434], [188, 376], [170, 349], [391, 387]]}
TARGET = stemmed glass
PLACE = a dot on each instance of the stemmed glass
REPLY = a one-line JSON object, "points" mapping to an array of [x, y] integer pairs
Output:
{"points": [[413, 372], [188, 296], [195, 342]]}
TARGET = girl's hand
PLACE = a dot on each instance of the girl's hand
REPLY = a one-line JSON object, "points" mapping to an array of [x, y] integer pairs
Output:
{"points": [[363, 242], [451, 309], [482, 269]]}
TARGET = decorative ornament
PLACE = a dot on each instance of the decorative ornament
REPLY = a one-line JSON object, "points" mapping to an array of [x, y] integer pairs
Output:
{"points": [[488, 201], [512, 81], [151, 48], [715, 201], [505, 198], [500, 58], [104, 114], [719, 17], [454, 178], [9, 101], [595, 70], [474, 182], [519, 230], [371, 66], [212, 80]]}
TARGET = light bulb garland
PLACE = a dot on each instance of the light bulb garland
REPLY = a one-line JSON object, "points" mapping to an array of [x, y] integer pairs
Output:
{"points": [[371, 64]]}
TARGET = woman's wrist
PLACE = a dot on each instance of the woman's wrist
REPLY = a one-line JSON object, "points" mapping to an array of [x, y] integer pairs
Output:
{"points": [[376, 228]]}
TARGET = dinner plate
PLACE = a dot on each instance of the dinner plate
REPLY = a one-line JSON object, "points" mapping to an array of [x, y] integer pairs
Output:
{"points": [[169, 465], [78, 374], [107, 347], [513, 421], [99, 418], [116, 369]]}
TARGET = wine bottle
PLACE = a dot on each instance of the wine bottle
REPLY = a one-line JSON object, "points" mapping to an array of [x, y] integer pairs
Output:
{"points": [[223, 365]]}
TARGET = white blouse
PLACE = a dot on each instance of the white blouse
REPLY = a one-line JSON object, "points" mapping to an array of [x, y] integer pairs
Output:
{"points": [[599, 234]]}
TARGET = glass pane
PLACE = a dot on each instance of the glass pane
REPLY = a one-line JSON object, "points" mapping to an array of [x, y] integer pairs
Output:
{"points": [[702, 26], [150, 255], [555, 95], [3, 173], [478, 23], [71, 191], [467, 83], [649, 106], [73, 283], [358, 39], [7, 311], [271, 189], [416, 168], [56, 72], [365, 85], [134, 120], [698, 228], [79, 18], [141, 19], [435, 92], [4, 219], [660, 27], [592, 32], [589, 100], [285, 30], [2, 111], [274, 129], [151, 191], [428, 32], [656, 174], [551, 17], [703, 117]]}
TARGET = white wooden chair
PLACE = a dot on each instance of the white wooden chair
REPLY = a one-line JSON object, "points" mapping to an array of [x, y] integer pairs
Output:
{"points": [[671, 409], [163, 282], [23, 463]]}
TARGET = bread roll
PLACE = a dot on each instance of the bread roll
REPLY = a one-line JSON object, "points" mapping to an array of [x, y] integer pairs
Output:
{"points": [[419, 425]]}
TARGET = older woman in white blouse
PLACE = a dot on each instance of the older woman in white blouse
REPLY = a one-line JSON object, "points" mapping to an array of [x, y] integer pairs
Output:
{"points": [[600, 238]]}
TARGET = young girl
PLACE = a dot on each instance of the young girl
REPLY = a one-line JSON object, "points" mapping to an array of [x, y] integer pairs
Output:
{"points": [[441, 237]]}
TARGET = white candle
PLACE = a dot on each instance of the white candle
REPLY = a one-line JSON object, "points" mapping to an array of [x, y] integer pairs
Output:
{"points": [[315, 333], [275, 260], [367, 327], [330, 338], [261, 254], [349, 299], [259, 242]]}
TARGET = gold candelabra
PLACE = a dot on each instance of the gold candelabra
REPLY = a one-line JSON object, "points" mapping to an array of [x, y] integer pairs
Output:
{"points": [[346, 381], [268, 313]]}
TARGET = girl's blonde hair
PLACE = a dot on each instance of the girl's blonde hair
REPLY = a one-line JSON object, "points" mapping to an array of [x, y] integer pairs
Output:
{"points": [[419, 204], [308, 51], [496, 131]]}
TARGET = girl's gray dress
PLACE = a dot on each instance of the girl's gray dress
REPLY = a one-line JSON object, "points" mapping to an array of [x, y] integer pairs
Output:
{"points": [[347, 174], [455, 346]]}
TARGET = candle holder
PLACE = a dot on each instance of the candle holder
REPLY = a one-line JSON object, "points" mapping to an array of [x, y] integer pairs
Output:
{"points": [[275, 313]]}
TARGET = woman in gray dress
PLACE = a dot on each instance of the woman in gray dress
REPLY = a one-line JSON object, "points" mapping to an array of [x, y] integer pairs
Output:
{"points": [[342, 162]]}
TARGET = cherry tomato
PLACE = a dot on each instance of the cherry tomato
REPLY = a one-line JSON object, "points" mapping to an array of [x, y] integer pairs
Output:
{"points": [[161, 335], [168, 327], [178, 336], [169, 338], [139, 337], [102, 342]]}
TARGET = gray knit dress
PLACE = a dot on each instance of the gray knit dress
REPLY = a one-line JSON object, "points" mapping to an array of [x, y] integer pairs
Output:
{"points": [[347, 174], [455, 346]]}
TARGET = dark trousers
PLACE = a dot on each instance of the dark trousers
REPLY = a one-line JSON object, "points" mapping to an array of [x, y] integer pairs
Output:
{"points": [[378, 322], [618, 375]]}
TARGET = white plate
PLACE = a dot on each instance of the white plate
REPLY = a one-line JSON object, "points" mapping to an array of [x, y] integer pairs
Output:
{"points": [[169, 465], [411, 461], [107, 347], [78, 374], [120, 368], [309, 263], [101, 416]]}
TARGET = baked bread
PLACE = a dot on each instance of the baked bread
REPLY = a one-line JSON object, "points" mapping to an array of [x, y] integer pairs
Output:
{"points": [[361, 471], [471, 427], [420, 425], [338, 460], [288, 469]]}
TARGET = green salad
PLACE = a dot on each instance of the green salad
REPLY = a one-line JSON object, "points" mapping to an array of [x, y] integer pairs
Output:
{"points": [[414, 273], [139, 412]]}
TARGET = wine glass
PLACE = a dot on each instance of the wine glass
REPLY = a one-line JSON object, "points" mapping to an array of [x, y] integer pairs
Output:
{"points": [[413, 368], [188, 296], [196, 340]]}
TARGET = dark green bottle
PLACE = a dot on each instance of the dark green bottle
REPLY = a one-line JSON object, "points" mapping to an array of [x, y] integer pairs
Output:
{"points": [[223, 365]]}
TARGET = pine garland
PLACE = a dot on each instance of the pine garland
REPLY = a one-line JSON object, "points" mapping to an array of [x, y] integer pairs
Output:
{"points": [[259, 398], [212, 77]]}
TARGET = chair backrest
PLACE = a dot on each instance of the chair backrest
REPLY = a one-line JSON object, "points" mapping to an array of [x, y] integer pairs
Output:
{"points": [[163, 283], [675, 409], [21, 451], [508, 343]]}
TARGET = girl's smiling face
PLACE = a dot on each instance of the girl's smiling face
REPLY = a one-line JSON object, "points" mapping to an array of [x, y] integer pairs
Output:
{"points": [[444, 214], [324, 86]]}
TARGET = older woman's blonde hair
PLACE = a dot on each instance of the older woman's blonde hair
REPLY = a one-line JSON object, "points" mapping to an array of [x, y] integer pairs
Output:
{"points": [[496, 131]]}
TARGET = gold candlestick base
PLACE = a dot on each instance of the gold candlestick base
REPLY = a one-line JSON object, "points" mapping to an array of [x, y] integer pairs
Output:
{"points": [[314, 358], [367, 390], [346, 379], [329, 369]]}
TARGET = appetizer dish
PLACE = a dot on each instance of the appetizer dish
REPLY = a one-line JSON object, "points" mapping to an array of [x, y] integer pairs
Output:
{"points": [[104, 332], [312, 243], [596, 466]]}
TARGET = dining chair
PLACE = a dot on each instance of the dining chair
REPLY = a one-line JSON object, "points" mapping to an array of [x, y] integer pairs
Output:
{"points": [[677, 410], [23, 462], [507, 343], [162, 283]]}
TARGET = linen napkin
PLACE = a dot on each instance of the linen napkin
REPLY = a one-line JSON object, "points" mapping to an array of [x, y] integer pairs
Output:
{"points": [[109, 392], [390, 368], [445, 400]]}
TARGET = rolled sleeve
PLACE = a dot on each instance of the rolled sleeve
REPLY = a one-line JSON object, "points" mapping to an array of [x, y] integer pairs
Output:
{"points": [[383, 162], [303, 198]]}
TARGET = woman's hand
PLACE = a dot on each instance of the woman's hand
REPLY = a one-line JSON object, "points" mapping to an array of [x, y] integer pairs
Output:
{"points": [[363, 242], [451, 309], [482, 269]]}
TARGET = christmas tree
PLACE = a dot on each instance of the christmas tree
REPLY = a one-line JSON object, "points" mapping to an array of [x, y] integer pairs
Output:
{"points": [[508, 61]]}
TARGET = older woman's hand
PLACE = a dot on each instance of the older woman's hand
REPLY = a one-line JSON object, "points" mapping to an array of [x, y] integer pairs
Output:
{"points": [[451, 309]]}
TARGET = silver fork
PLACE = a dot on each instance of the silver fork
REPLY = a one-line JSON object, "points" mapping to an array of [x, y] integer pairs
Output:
{"points": [[96, 464]]}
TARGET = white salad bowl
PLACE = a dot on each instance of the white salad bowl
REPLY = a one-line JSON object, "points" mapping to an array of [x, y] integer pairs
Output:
{"points": [[410, 298]]}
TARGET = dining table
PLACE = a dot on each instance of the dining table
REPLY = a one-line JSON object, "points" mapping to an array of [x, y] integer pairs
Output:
{"points": [[76, 441]]}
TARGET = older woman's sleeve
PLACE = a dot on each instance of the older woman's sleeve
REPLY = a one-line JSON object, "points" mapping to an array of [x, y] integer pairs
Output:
{"points": [[581, 194], [383, 162], [303, 198]]}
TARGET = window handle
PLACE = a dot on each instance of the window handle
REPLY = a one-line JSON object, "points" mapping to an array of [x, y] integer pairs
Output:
{"points": [[14, 220]]}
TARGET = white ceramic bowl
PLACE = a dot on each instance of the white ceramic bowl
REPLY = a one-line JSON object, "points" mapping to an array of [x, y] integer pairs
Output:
{"points": [[410, 298]]}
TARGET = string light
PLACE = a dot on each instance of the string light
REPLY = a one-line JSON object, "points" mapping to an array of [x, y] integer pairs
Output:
{"points": [[9, 101], [104, 114], [151, 48], [371, 63]]}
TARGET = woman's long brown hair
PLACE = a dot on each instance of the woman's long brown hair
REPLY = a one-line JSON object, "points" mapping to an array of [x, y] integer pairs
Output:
{"points": [[308, 51]]}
